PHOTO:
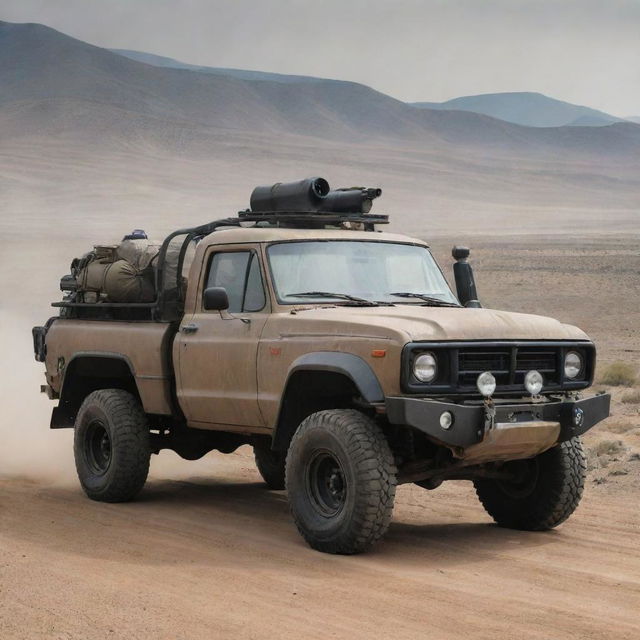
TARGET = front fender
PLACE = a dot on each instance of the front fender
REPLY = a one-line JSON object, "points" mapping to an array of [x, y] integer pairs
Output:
{"points": [[347, 364], [297, 402]]}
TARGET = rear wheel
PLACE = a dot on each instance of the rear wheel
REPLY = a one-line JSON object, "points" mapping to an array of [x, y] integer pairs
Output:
{"points": [[271, 466], [341, 481], [111, 446], [545, 490]]}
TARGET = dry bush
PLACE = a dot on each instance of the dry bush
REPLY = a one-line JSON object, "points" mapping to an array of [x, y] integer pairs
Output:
{"points": [[621, 426], [631, 397], [609, 447], [619, 374]]}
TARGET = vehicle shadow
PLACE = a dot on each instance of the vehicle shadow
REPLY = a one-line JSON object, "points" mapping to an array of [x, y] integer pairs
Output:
{"points": [[207, 516]]}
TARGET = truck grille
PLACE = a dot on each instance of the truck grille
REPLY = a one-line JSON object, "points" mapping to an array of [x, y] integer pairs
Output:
{"points": [[508, 364], [460, 364]]}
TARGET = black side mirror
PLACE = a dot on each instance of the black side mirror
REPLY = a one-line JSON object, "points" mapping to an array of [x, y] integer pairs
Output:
{"points": [[215, 299]]}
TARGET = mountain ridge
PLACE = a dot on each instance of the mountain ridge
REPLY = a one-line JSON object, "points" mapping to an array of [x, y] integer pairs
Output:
{"points": [[526, 108], [48, 75]]}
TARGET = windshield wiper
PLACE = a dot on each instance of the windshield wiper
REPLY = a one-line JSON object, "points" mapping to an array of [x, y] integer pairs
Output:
{"points": [[429, 300], [362, 302]]}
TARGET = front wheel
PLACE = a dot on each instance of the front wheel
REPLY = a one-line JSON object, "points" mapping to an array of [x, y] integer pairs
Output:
{"points": [[544, 492], [111, 446], [341, 481]]}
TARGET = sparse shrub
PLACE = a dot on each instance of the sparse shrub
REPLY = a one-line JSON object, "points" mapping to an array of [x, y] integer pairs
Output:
{"points": [[609, 447], [620, 426], [619, 374], [631, 397]]}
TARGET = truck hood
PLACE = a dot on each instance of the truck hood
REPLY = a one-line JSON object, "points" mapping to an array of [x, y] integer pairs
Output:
{"points": [[420, 323]]}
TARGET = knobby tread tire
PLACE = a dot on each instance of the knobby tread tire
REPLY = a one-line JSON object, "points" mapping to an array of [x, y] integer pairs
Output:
{"points": [[128, 430], [555, 496], [271, 467], [362, 449]]}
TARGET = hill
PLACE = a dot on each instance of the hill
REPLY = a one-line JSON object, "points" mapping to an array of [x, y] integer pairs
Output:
{"points": [[527, 109], [243, 74], [51, 81]]}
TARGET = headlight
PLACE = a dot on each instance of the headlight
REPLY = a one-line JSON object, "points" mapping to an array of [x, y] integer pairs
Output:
{"points": [[486, 384], [572, 365], [425, 367]]}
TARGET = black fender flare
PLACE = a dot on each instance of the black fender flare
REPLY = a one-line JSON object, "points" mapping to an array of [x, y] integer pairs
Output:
{"points": [[347, 364], [63, 416]]}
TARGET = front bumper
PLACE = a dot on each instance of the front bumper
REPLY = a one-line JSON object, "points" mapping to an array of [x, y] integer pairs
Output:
{"points": [[472, 422]]}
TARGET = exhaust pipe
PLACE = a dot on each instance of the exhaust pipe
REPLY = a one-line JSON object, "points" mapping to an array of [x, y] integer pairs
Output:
{"points": [[463, 274]]}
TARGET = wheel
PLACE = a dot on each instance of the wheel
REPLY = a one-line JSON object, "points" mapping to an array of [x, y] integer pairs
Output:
{"points": [[111, 446], [545, 492], [341, 481], [271, 466]]}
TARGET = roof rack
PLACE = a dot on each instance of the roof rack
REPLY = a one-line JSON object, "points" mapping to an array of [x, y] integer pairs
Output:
{"points": [[313, 219]]}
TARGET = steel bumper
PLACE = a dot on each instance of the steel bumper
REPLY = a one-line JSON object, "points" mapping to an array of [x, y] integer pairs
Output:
{"points": [[470, 422]]}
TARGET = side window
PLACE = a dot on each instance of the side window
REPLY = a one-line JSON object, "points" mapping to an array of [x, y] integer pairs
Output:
{"points": [[239, 273], [254, 299]]}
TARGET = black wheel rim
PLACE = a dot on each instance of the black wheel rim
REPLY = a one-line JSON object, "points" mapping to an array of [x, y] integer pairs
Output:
{"points": [[525, 478], [326, 484], [97, 447]]}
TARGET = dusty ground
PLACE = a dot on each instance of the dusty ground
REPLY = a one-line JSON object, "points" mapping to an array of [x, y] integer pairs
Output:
{"points": [[216, 556]]}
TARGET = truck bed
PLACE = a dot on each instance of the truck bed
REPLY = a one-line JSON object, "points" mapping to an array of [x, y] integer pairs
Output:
{"points": [[144, 346]]}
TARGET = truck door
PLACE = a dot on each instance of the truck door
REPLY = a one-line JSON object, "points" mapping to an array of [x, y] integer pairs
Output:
{"points": [[217, 351]]}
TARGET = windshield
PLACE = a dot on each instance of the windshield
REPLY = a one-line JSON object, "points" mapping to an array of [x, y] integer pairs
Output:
{"points": [[357, 269]]}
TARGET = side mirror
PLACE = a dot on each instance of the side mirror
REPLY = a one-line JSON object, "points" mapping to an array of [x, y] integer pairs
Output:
{"points": [[215, 299]]}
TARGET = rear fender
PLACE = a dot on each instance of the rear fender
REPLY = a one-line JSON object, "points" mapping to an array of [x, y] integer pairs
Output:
{"points": [[87, 372]]}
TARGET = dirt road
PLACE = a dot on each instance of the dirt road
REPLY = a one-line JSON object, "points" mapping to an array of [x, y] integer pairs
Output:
{"points": [[215, 555]]}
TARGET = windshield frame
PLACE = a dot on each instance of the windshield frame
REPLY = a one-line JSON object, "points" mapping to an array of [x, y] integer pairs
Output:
{"points": [[336, 301]]}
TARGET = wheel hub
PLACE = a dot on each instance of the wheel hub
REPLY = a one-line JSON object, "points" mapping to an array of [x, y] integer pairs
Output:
{"points": [[98, 447], [524, 478], [326, 484]]}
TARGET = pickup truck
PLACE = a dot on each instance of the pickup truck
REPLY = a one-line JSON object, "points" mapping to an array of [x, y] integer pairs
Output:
{"points": [[342, 356]]}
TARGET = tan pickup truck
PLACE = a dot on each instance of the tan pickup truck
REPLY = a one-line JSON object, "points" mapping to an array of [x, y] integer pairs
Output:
{"points": [[340, 354]]}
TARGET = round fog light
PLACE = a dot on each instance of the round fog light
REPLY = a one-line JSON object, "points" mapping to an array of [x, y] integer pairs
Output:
{"points": [[533, 382], [486, 384], [446, 420]]}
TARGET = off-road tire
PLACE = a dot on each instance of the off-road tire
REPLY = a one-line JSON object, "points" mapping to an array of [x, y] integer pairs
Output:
{"points": [[271, 466], [352, 452], [547, 495], [111, 446]]}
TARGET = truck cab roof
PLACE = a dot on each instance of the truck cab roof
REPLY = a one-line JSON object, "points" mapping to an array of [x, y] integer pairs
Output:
{"points": [[242, 235]]}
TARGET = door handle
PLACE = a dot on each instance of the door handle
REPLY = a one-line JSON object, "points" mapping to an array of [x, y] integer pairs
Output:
{"points": [[189, 328]]}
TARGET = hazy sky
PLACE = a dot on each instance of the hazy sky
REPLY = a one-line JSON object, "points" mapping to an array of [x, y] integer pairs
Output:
{"points": [[583, 51]]}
